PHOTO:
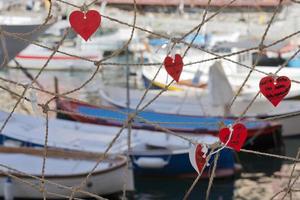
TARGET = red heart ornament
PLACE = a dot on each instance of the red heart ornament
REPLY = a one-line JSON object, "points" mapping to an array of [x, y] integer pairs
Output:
{"points": [[275, 90], [197, 157], [200, 158], [85, 24], [238, 136], [174, 67]]}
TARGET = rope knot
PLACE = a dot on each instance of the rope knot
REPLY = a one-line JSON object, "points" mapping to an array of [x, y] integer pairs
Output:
{"points": [[175, 40], [45, 108], [131, 117], [274, 76], [84, 8], [261, 47], [97, 63], [165, 88]]}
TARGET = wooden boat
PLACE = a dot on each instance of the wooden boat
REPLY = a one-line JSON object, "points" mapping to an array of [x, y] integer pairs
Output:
{"points": [[34, 57], [193, 103], [153, 153], [263, 132], [214, 101], [157, 158], [236, 79], [64, 168], [62, 134], [197, 74]]}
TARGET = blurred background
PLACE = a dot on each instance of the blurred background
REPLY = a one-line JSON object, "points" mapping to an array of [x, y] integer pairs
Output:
{"points": [[221, 43]]}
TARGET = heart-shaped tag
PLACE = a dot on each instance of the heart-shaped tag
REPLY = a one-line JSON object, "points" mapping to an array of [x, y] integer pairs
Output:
{"points": [[85, 24], [174, 67], [275, 90], [197, 157], [238, 136]]}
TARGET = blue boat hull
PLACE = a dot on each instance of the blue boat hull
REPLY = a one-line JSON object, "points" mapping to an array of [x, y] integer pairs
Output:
{"points": [[261, 135], [194, 124], [179, 165]]}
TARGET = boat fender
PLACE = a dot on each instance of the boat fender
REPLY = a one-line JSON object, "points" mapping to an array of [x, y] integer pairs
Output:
{"points": [[156, 163], [8, 189]]}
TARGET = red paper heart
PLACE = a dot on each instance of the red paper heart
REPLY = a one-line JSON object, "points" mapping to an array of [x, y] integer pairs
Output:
{"points": [[238, 136], [197, 156], [275, 90], [85, 24], [174, 67], [200, 158]]}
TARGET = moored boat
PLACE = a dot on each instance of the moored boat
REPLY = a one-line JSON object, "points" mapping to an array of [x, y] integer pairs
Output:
{"points": [[199, 80], [155, 160], [194, 103], [103, 42], [64, 168], [152, 153], [262, 134], [195, 73]]}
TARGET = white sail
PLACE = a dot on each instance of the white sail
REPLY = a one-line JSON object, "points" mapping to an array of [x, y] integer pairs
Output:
{"points": [[220, 90]]}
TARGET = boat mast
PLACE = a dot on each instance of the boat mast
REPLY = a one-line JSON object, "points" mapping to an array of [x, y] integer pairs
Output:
{"points": [[181, 7], [128, 101], [127, 81]]}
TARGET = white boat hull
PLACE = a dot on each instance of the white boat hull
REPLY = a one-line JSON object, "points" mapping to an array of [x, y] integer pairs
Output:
{"points": [[63, 168], [290, 125], [35, 57], [102, 184]]}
